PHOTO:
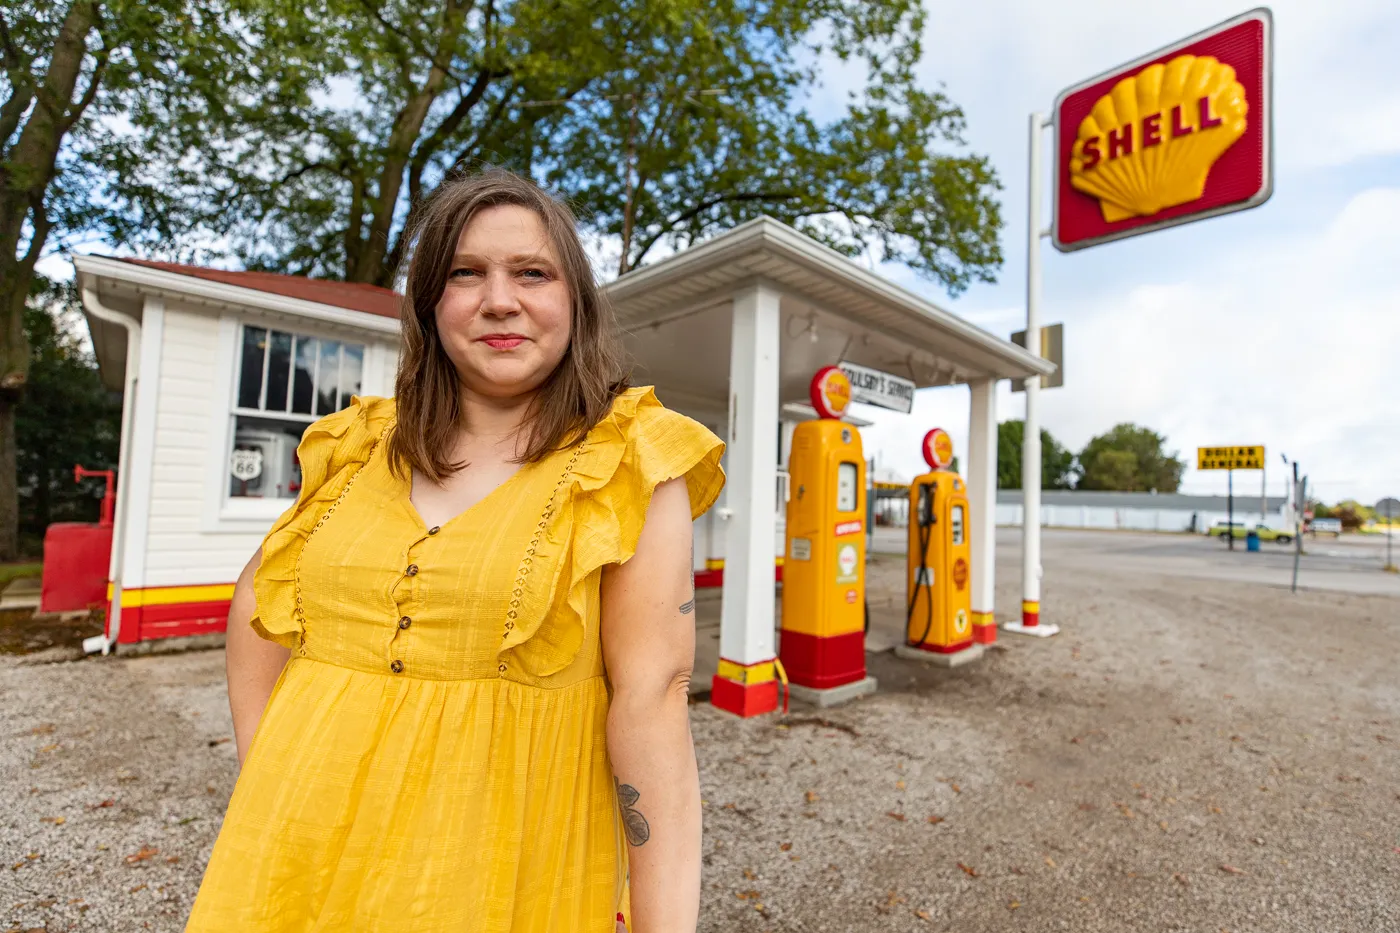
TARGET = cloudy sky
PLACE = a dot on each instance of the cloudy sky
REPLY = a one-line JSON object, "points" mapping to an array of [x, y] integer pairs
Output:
{"points": [[1276, 326]]}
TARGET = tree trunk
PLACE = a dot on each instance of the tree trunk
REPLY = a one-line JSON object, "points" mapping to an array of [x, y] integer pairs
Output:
{"points": [[9, 495], [25, 173]]}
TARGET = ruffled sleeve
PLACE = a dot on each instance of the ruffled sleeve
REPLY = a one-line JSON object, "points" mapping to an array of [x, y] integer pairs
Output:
{"points": [[596, 516], [331, 452]]}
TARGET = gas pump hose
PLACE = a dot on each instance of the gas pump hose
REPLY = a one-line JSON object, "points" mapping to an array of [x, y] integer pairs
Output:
{"points": [[920, 578]]}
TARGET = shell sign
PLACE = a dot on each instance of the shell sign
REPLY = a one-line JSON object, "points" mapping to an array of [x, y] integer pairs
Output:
{"points": [[1177, 136]]}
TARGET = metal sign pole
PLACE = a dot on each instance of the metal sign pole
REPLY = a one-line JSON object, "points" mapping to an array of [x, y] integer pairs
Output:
{"points": [[1300, 495], [1389, 562], [1030, 623], [1230, 508]]}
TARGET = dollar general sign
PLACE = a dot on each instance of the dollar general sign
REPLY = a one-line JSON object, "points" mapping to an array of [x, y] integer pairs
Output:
{"points": [[1230, 458]]}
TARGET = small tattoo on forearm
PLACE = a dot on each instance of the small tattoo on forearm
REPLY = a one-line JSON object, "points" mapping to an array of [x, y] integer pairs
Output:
{"points": [[638, 832], [688, 606]]}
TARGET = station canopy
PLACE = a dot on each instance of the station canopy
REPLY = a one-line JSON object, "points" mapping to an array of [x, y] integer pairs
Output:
{"points": [[676, 314]]}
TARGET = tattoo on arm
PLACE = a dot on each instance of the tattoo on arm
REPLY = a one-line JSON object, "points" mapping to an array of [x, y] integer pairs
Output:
{"points": [[638, 831], [688, 606]]}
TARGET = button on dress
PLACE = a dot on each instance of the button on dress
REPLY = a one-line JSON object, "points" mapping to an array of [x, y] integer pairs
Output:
{"points": [[433, 757]]}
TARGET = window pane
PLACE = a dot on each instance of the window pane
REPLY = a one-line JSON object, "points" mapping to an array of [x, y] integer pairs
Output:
{"points": [[352, 370], [251, 368], [328, 385], [304, 374], [279, 371], [846, 493], [263, 463]]}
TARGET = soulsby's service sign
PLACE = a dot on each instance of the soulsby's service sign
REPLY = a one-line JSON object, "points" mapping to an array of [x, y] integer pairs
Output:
{"points": [[1182, 134]]}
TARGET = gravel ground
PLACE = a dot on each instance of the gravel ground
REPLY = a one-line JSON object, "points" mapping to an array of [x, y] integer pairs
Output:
{"points": [[1188, 755]]}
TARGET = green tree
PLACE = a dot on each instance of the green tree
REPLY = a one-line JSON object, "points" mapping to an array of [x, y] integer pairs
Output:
{"points": [[68, 71], [67, 417], [1057, 466], [662, 120], [1129, 458]]}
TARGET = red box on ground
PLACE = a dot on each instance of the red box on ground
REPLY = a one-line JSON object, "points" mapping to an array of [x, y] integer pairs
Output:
{"points": [[76, 559]]}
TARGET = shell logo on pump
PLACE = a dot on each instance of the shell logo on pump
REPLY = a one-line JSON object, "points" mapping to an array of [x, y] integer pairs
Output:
{"points": [[1150, 143], [831, 392], [938, 449]]}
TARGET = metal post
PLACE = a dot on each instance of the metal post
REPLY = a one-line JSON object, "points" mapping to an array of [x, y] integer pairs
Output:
{"points": [[1030, 623], [1230, 507], [1300, 498], [1389, 564]]}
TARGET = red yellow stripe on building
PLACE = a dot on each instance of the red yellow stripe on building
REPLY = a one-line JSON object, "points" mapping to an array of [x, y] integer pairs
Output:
{"points": [[713, 574], [172, 611]]}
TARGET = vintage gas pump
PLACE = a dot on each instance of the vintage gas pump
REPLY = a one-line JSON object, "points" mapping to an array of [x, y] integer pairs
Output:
{"points": [[939, 620], [823, 618]]}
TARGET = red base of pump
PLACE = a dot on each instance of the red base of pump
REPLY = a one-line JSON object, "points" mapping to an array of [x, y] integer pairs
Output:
{"points": [[76, 558], [813, 661], [984, 634], [743, 699]]}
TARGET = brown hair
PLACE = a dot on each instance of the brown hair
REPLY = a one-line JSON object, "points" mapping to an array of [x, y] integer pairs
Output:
{"points": [[575, 397]]}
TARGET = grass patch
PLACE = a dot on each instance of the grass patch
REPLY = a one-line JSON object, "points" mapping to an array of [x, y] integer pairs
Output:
{"points": [[10, 572]]}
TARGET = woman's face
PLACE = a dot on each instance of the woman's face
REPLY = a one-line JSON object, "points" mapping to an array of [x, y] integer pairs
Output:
{"points": [[504, 314]]}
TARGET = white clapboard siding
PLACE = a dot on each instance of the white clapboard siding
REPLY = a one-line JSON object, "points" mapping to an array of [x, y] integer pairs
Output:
{"points": [[192, 424]]}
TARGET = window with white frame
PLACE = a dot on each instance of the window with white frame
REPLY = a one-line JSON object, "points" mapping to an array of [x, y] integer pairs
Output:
{"points": [[285, 382]]}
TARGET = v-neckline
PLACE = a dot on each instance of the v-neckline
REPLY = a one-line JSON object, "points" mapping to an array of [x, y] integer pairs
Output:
{"points": [[406, 498]]}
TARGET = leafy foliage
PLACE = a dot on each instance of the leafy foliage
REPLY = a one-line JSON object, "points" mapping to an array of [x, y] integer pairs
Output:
{"points": [[67, 417], [310, 157], [69, 73], [1058, 469], [1129, 458]]}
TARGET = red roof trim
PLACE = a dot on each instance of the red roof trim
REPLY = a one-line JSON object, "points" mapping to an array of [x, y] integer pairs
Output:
{"points": [[352, 296]]}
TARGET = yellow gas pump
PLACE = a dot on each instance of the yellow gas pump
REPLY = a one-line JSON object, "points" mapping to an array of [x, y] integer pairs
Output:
{"points": [[940, 569], [823, 617]]}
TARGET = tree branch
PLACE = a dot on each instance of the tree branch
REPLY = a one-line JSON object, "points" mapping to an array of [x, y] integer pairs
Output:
{"points": [[446, 128], [90, 92], [40, 227], [415, 47], [703, 206], [12, 110]]}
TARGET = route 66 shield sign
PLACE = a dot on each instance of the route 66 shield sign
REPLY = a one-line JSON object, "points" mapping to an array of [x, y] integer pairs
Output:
{"points": [[246, 464]]}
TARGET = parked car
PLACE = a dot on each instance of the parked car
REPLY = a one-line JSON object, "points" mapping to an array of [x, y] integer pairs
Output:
{"points": [[1240, 530], [1326, 526]]}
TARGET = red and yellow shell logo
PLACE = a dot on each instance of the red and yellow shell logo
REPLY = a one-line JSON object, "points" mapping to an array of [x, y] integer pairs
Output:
{"points": [[1149, 143], [831, 392], [960, 573], [938, 449]]}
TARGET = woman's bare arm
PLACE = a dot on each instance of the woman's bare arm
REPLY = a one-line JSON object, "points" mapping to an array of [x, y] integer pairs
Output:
{"points": [[253, 663], [648, 630]]}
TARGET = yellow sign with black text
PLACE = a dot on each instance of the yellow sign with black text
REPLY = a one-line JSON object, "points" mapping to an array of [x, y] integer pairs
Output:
{"points": [[1230, 458]]}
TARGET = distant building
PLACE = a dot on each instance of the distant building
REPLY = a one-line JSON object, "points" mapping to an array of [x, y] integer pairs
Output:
{"points": [[1142, 511]]}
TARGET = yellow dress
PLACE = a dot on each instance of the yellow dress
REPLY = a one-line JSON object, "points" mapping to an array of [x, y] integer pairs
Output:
{"points": [[433, 757]]}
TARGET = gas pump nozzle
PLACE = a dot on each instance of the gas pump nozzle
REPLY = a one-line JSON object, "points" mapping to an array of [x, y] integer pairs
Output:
{"points": [[926, 512]]}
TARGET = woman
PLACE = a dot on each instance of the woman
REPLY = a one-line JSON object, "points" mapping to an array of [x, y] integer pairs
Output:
{"points": [[465, 651]]}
